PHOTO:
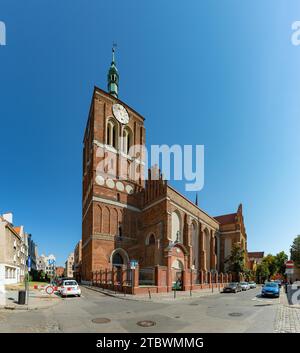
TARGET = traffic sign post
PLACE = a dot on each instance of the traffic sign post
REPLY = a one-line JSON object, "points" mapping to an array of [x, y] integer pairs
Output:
{"points": [[133, 264], [289, 268], [28, 263]]}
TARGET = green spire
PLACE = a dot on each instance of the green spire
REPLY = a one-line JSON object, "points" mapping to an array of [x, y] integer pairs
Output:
{"points": [[113, 76]]}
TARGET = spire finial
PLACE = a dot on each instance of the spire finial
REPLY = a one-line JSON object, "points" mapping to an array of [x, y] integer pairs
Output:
{"points": [[113, 75], [114, 46]]}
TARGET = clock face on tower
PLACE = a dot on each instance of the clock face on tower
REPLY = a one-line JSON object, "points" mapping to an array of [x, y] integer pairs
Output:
{"points": [[120, 113]]}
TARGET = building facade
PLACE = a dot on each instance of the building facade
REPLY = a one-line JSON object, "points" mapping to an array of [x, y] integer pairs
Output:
{"points": [[69, 266], [60, 271], [32, 252], [13, 251], [255, 258], [125, 217], [47, 264], [231, 231], [78, 261]]}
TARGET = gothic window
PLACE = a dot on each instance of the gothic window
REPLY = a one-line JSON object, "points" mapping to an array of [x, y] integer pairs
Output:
{"points": [[207, 247], [141, 136], [117, 260], [176, 227], [195, 245], [150, 240], [127, 140], [112, 134]]}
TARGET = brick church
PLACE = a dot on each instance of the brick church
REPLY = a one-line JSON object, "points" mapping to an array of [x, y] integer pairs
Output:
{"points": [[129, 218]]}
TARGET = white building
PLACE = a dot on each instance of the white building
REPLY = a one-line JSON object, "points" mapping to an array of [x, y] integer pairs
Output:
{"points": [[46, 264], [13, 251]]}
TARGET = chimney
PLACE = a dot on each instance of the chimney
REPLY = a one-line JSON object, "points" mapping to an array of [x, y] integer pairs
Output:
{"points": [[8, 217]]}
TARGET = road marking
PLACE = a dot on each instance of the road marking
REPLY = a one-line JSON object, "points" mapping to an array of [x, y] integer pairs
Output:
{"points": [[274, 301]]}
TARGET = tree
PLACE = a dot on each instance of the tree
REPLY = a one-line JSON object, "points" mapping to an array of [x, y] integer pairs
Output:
{"points": [[236, 260], [262, 272], [270, 262], [280, 260], [295, 251]]}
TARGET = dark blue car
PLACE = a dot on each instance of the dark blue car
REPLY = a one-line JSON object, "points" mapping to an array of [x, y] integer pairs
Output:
{"points": [[270, 289]]}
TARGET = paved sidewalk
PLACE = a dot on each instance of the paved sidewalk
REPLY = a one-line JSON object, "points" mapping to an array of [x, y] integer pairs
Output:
{"points": [[287, 317], [156, 297], [37, 300], [287, 320]]}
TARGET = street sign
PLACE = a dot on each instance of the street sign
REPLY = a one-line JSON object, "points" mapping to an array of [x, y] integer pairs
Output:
{"points": [[133, 264], [289, 264], [29, 263], [51, 262]]}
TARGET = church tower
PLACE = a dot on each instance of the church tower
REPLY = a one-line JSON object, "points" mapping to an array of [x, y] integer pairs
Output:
{"points": [[113, 181]]}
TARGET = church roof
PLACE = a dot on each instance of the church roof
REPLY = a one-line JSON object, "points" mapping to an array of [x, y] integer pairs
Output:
{"points": [[256, 254], [227, 218]]}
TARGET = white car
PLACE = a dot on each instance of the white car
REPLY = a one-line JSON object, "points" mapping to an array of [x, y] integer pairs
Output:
{"points": [[69, 287], [245, 285], [252, 284]]}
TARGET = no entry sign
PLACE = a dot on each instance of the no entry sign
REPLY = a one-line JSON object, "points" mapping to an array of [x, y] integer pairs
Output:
{"points": [[289, 264]]}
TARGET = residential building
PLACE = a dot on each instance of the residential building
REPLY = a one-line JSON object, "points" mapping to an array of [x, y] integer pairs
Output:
{"points": [[60, 271], [69, 266], [13, 251], [47, 264], [77, 261], [32, 252]]}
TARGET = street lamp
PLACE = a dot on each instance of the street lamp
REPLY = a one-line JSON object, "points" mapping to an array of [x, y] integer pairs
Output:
{"points": [[191, 279]]}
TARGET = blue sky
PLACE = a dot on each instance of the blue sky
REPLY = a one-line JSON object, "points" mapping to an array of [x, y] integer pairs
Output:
{"points": [[219, 73]]}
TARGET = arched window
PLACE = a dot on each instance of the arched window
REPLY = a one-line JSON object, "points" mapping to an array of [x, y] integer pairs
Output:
{"points": [[176, 227], [126, 140], [177, 264], [112, 134], [150, 240], [117, 260], [195, 245], [207, 248]]}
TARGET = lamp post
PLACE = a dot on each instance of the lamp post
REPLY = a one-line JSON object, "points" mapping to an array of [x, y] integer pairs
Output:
{"points": [[191, 279]]}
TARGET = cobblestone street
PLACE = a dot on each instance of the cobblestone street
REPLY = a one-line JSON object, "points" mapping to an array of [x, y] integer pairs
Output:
{"points": [[287, 319]]}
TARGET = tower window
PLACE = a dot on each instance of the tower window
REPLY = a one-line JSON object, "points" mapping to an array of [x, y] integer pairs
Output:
{"points": [[111, 134], [127, 140]]}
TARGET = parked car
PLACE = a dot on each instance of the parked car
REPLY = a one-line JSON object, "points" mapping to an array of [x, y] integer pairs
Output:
{"points": [[69, 287], [270, 289], [245, 285], [279, 282], [232, 287], [60, 280], [252, 284]]}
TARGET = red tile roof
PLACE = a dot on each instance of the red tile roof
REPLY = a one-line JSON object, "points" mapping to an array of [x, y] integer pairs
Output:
{"points": [[227, 218], [17, 229]]}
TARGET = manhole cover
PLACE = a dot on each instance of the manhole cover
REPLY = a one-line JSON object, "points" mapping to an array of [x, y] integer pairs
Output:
{"points": [[194, 304], [235, 314], [146, 323], [101, 320]]}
